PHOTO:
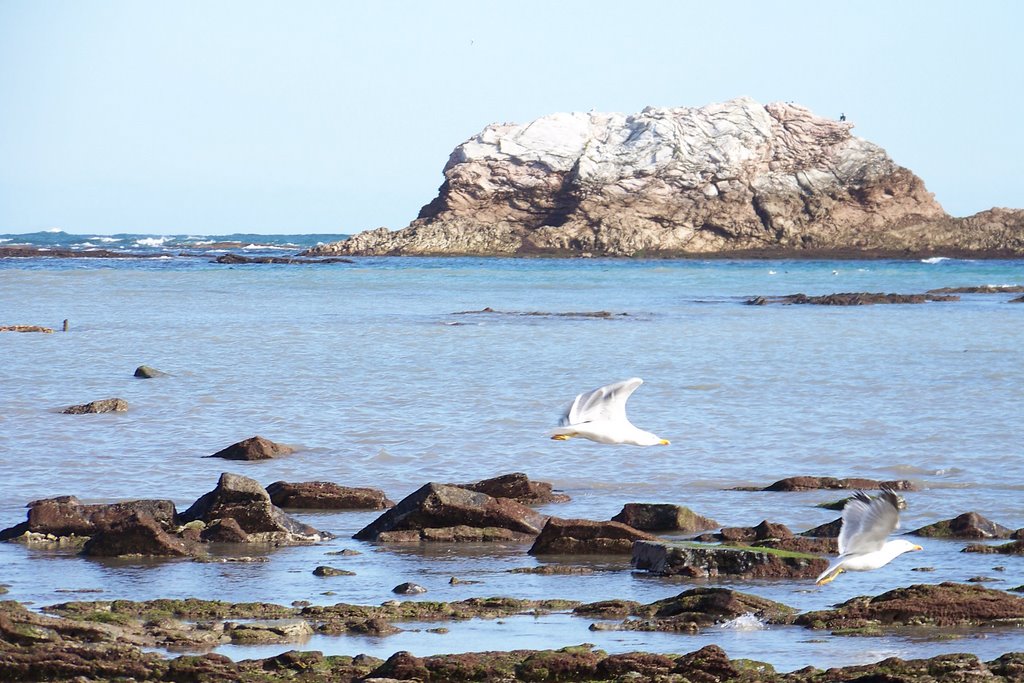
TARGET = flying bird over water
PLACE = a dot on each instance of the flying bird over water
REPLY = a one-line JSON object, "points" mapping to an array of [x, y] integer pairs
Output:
{"points": [[867, 523], [600, 415]]}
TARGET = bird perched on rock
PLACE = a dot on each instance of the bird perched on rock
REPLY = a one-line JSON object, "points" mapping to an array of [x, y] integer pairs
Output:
{"points": [[600, 415], [867, 523]]}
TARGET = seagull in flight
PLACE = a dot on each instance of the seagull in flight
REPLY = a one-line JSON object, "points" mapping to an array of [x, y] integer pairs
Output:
{"points": [[867, 523], [600, 415]]}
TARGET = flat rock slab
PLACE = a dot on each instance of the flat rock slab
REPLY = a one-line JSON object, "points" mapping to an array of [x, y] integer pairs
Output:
{"points": [[946, 604], [253, 448], [701, 561], [832, 483], [325, 495], [702, 606], [1011, 548], [106, 405], [851, 299]]}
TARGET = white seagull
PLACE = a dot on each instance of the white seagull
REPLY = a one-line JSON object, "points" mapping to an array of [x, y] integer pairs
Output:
{"points": [[867, 522], [600, 415]]}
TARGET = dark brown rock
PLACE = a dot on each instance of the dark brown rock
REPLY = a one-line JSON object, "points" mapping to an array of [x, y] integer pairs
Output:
{"points": [[583, 536], [67, 516], [699, 606], [981, 289], [324, 495], [107, 405], [454, 534], [747, 534], [324, 570], [826, 530], [135, 534], [253, 448], [408, 588], [814, 483], [244, 500], [852, 299], [518, 487], [441, 505], [235, 259], [947, 604], [663, 517], [967, 525], [225, 530], [700, 561], [146, 372]]}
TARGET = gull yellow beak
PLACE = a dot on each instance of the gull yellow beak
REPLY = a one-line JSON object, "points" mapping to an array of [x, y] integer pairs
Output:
{"points": [[664, 442], [917, 547], [561, 437]]}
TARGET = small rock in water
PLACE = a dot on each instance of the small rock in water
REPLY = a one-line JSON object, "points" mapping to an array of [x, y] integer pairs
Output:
{"points": [[345, 553], [323, 570], [146, 372], [408, 588], [253, 448], [107, 405]]}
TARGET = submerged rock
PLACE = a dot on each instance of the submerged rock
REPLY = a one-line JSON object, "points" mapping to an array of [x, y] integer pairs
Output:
{"points": [[1011, 548], [982, 289], [747, 534], [438, 506], [967, 525], [663, 517], [234, 259], [701, 606], [851, 299], [583, 536], [146, 372], [253, 448], [518, 487], [325, 495], [702, 561], [947, 604], [813, 483], [26, 328], [106, 405]]}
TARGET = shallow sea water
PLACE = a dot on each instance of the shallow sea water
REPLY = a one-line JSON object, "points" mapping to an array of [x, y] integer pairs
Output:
{"points": [[373, 373]]}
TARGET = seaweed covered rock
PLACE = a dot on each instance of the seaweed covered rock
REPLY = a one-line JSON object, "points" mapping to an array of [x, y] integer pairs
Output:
{"points": [[663, 517], [967, 525], [697, 606], [66, 516], [438, 506], [945, 604], [584, 536], [703, 561]]}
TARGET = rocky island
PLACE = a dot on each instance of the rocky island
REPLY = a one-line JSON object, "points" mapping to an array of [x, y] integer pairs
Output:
{"points": [[736, 178]]}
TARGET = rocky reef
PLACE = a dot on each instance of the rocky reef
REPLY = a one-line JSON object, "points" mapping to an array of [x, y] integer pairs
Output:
{"points": [[733, 178]]}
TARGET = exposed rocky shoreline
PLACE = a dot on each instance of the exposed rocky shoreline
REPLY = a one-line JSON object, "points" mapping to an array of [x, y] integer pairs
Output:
{"points": [[737, 179], [104, 640]]}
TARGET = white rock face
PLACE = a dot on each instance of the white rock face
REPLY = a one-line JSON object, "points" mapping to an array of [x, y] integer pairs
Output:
{"points": [[735, 176]]}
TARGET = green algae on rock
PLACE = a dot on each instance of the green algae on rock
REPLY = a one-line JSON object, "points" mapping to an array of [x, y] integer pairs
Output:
{"points": [[942, 605], [702, 561]]}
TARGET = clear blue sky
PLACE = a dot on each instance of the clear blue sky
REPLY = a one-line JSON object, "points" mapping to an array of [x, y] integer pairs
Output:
{"points": [[316, 116]]}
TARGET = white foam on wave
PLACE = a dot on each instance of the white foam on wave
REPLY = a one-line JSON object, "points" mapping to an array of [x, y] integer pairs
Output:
{"points": [[105, 240], [53, 230], [935, 259], [6, 239], [263, 246], [152, 241], [744, 622]]}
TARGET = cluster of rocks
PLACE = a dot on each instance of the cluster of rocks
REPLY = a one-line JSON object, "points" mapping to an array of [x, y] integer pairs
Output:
{"points": [[238, 510], [108, 640], [851, 299]]}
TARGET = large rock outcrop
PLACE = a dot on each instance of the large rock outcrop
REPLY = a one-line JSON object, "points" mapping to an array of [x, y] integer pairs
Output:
{"points": [[731, 177]]}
